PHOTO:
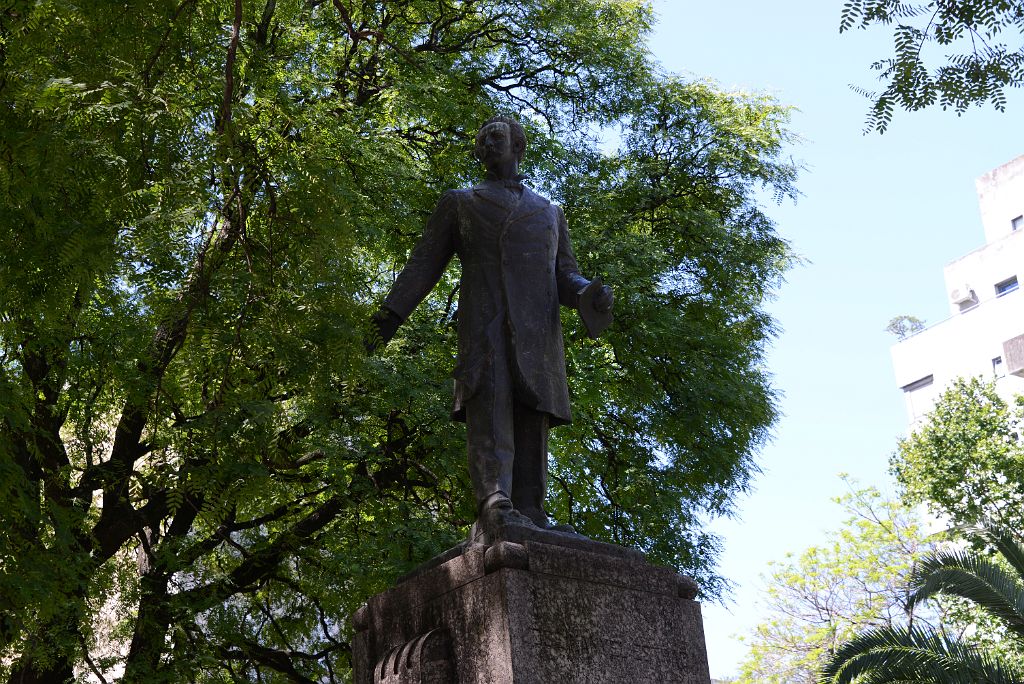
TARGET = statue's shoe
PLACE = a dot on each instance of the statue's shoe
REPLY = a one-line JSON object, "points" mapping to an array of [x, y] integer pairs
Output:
{"points": [[540, 519], [497, 512]]}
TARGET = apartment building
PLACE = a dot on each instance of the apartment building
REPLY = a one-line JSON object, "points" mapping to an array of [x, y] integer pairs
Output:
{"points": [[984, 334]]}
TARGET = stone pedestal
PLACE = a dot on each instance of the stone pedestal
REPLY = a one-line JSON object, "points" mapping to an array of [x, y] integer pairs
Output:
{"points": [[533, 607]]}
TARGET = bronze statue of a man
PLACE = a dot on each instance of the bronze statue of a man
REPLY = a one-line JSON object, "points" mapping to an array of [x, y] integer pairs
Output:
{"points": [[517, 267]]}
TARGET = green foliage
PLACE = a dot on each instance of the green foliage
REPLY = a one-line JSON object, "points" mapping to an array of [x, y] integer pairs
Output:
{"points": [[980, 42], [828, 594], [655, 386], [202, 474], [914, 654], [966, 461], [904, 326], [968, 575]]}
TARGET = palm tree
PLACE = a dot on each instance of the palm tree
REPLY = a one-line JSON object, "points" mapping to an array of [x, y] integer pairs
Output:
{"points": [[894, 655]]}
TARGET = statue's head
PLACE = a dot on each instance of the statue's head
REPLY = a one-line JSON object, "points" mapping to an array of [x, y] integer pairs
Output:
{"points": [[500, 136]]}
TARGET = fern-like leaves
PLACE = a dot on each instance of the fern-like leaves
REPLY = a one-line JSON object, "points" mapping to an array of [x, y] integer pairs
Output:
{"points": [[895, 655], [892, 655], [974, 577]]}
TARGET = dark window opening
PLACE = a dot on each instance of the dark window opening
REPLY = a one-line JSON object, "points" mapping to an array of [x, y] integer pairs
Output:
{"points": [[918, 384], [1008, 285]]}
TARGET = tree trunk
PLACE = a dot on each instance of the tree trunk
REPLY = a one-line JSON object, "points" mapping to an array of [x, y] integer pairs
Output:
{"points": [[154, 618], [25, 673]]}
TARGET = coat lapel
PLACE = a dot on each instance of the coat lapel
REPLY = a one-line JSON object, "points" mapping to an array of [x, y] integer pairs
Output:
{"points": [[529, 204], [511, 207], [495, 194]]}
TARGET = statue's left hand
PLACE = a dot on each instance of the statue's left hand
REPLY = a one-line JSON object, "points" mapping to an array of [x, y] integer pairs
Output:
{"points": [[604, 300]]}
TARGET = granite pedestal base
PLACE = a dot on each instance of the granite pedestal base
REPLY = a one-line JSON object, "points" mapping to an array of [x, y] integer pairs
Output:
{"points": [[547, 608]]}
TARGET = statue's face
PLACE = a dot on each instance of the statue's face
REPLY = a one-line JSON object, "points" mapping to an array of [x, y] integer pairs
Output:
{"points": [[496, 148]]}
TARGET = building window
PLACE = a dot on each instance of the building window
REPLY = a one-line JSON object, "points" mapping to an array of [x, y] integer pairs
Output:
{"points": [[1017, 223], [918, 384], [998, 369], [1008, 285]]}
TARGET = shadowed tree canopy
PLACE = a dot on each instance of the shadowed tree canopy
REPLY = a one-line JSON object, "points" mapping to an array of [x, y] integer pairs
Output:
{"points": [[202, 474], [951, 53]]}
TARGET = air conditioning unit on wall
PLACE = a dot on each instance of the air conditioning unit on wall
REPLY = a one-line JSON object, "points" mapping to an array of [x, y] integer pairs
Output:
{"points": [[961, 294]]}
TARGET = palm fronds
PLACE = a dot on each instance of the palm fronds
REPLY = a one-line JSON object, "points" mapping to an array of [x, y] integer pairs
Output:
{"points": [[975, 577], [895, 655]]}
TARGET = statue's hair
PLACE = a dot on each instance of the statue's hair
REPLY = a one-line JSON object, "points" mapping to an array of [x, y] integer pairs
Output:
{"points": [[518, 135]]}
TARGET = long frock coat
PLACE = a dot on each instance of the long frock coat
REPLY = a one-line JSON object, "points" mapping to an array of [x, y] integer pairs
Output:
{"points": [[517, 266]]}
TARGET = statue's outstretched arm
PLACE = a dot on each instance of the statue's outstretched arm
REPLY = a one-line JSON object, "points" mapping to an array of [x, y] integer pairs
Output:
{"points": [[426, 263]]}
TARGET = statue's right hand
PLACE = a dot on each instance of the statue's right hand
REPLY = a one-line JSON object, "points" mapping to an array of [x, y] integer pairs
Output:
{"points": [[384, 324], [604, 300]]}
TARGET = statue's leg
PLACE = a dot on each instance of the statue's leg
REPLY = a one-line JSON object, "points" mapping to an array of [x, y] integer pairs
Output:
{"points": [[490, 445], [530, 466], [489, 440]]}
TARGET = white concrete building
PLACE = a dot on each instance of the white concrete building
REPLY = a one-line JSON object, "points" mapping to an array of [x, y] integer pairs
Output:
{"points": [[984, 335]]}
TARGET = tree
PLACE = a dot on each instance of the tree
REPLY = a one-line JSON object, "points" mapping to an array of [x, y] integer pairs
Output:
{"points": [[982, 46], [966, 462], [928, 656], [827, 594], [203, 203], [904, 326]]}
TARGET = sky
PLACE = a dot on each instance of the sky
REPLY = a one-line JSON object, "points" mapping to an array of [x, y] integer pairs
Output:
{"points": [[879, 217]]}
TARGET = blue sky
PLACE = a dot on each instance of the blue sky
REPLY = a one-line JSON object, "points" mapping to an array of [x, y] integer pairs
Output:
{"points": [[879, 217]]}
